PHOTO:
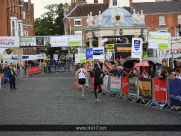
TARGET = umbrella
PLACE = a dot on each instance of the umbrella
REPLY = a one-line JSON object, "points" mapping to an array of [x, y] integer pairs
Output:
{"points": [[142, 64], [129, 62], [154, 60]]}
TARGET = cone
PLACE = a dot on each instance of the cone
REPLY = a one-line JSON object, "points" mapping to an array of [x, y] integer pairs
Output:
{"points": [[75, 84]]}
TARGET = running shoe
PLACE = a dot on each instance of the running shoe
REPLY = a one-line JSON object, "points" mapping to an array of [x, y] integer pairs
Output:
{"points": [[96, 100]]}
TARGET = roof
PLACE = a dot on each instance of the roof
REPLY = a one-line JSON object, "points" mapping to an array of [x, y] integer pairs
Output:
{"points": [[85, 9], [158, 7]]}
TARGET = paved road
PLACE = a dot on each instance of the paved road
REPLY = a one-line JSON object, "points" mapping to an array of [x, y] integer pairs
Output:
{"points": [[50, 99]]}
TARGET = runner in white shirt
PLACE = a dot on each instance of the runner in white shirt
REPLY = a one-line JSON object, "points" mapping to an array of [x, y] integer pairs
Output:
{"points": [[81, 75]]}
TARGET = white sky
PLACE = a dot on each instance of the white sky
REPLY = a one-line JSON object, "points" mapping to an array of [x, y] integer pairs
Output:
{"points": [[40, 4]]}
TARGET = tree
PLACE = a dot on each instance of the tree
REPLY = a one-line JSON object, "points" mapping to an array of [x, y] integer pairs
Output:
{"points": [[50, 23]]}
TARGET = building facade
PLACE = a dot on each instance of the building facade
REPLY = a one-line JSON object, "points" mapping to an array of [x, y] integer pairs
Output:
{"points": [[164, 17], [17, 19]]}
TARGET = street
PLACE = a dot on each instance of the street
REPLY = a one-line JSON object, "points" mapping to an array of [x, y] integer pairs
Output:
{"points": [[49, 99]]}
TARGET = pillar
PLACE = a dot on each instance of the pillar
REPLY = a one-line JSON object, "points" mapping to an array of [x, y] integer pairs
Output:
{"points": [[90, 43], [99, 41]]}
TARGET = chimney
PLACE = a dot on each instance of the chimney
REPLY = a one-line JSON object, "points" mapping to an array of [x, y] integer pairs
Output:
{"points": [[95, 1], [105, 1], [130, 3]]}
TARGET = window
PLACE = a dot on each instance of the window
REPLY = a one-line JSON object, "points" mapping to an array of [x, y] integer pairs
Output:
{"points": [[77, 22], [161, 20], [24, 15], [13, 28], [19, 29], [179, 18], [114, 3], [78, 32]]}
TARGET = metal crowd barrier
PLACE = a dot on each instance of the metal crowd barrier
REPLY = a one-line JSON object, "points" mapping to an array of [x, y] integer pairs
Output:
{"points": [[153, 92]]}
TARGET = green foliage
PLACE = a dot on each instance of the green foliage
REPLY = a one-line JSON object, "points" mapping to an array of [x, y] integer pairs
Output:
{"points": [[50, 23]]}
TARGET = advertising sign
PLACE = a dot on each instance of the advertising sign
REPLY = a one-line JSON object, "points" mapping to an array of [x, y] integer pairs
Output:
{"points": [[72, 51], [9, 42], [136, 51], [158, 40], [175, 40], [133, 86], [33, 57], [66, 40], [80, 58], [122, 49], [109, 47], [175, 51], [174, 91], [89, 53], [98, 53], [10, 57], [35, 41], [145, 88], [115, 84]]}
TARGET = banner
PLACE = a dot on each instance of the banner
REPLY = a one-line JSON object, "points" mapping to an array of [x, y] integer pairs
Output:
{"points": [[175, 40], [33, 70], [124, 84], [174, 92], [109, 47], [160, 89], [33, 57], [145, 88], [66, 40], [159, 40], [115, 84], [72, 51], [133, 86], [98, 53], [175, 49], [35, 41], [80, 58], [9, 41], [137, 44], [10, 57], [89, 53], [106, 83], [122, 50]]}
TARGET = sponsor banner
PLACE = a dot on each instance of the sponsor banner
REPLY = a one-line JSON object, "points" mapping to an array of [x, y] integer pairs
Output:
{"points": [[33, 57], [10, 57], [115, 84], [35, 41], [136, 51], [67, 40], [175, 40], [9, 42], [133, 86], [145, 88], [106, 83], [80, 58], [33, 70], [175, 51], [124, 84], [159, 40], [122, 50], [175, 91], [72, 51], [160, 89], [89, 53], [98, 53], [109, 47]]}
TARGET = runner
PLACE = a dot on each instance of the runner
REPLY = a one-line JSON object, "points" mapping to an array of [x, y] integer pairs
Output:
{"points": [[98, 81], [81, 74]]}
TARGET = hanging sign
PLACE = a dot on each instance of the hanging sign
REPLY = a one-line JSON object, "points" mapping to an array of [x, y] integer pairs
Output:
{"points": [[98, 53], [89, 53], [72, 51], [136, 51], [9, 41]]}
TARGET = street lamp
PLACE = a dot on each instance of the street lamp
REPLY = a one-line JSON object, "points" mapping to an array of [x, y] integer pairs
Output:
{"points": [[179, 29], [7, 13]]}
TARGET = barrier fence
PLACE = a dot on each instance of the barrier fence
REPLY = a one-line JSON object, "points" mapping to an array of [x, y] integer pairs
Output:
{"points": [[154, 92]]}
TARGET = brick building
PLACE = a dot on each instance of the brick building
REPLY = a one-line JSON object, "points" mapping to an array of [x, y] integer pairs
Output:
{"points": [[75, 20], [17, 19], [162, 16]]}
